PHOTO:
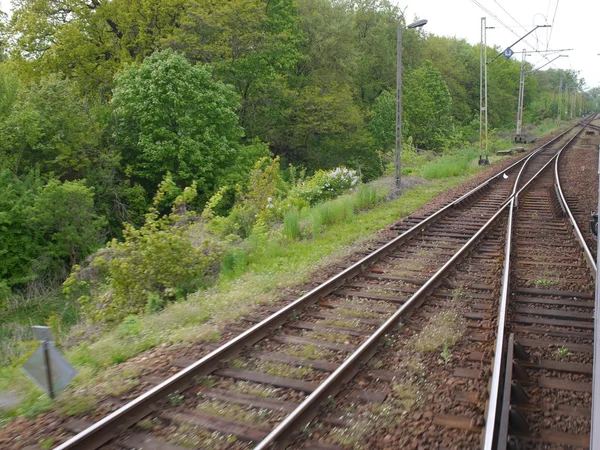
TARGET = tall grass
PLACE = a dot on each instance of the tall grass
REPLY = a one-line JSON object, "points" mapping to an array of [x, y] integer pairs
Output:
{"points": [[234, 263], [450, 165], [291, 224]]}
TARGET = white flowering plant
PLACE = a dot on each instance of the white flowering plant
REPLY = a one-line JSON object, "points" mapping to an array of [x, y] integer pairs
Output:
{"points": [[325, 185]]}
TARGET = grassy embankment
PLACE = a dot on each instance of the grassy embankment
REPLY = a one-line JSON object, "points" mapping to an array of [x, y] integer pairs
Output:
{"points": [[309, 239]]}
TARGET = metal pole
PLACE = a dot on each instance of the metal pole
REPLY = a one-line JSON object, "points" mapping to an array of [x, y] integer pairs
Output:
{"points": [[573, 102], [397, 185], [481, 91], [48, 369], [485, 92], [595, 431], [520, 107]]}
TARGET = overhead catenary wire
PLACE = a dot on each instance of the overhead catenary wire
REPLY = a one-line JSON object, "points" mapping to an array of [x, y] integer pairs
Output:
{"points": [[507, 27]]}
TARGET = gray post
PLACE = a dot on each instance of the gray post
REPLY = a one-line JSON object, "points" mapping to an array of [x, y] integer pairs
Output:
{"points": [[520, 106], [48, 369], [397, 184], [483, 117]]}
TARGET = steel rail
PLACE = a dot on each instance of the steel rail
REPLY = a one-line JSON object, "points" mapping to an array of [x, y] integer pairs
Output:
{"points": [[105, 429], [493, 421]]}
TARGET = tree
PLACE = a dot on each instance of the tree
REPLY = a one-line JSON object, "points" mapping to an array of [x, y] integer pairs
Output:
{"points": [[50, 126], [17, 248], [88, 40], [175, 118], [426, 104], [63, 219], [251, 45]]}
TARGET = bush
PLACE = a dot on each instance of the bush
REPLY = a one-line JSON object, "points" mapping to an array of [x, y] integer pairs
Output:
{"points": [[165, 259], [326, 185]]}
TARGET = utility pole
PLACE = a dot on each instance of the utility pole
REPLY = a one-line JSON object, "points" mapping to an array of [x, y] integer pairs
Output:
{"points": [[521, 94], [560, 100], [483, 106], [573, 100]]}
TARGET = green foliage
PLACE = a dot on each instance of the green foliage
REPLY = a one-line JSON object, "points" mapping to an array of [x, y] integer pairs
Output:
{"points": [[49, 127], [383, 122], [65, 222], [324, 185], [176, 118], [291, 224], [256, 207], [44, 229], [426, 107], [164, 259], [17, 248], [450, 165]]}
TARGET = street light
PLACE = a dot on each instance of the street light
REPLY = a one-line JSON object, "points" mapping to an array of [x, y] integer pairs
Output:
{"points": [[417, 24]]}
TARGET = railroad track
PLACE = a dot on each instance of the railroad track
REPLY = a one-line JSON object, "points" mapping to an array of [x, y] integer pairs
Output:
{"points": [[264, 385], [542, 382]]}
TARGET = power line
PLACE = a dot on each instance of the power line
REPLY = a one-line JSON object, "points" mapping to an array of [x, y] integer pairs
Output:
{"points": [[515, 20], [504, 24]]}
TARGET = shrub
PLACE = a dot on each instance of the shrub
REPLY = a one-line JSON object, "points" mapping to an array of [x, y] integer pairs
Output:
{"points": [[326, 185], [165, 259]]}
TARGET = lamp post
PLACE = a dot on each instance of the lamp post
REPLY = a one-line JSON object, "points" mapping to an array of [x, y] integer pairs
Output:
{"points": [[397, 187]]}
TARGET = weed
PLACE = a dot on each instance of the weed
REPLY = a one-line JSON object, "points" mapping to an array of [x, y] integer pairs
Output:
{"points": [[308, 351], [76, 404], [327, 336], [562, 352], [46, 443], [282, 370], [175, 398], [543, 283], [208, 382], [235, 412], [257, 390], [445, 355], [444, 329], [375, 363]]}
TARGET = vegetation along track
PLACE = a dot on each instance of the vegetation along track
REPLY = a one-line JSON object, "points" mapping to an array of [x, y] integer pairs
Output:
{"points": [[305, 353], [542, 383]]}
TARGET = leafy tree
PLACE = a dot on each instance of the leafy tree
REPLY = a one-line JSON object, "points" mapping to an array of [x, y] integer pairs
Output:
{"points": [[383, 122], [251, 44], [426, 106], [50, 126], [88, 40], [175, 118], [17, 247], [63, 219]]}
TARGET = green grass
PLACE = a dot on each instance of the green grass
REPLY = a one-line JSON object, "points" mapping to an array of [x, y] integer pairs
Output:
{"points": [[450, 165]]}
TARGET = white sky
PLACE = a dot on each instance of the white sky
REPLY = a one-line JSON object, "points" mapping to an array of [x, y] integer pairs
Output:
{"points": [[576, 26]]}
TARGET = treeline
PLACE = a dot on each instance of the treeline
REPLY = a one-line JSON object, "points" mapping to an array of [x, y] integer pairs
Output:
{"points": [[100, 100]]}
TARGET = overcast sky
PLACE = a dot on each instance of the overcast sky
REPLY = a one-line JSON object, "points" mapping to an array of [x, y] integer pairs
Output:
{"points": [[575, 25]]}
